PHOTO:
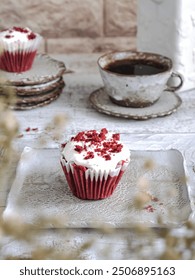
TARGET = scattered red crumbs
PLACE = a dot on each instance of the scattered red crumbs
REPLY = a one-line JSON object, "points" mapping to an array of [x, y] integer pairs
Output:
{"points": [[149, 208], [102, 147], [33, 129], [155, 199]]}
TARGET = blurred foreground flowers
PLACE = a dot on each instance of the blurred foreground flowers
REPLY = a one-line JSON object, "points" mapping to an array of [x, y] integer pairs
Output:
{"points": [[141, 242]]}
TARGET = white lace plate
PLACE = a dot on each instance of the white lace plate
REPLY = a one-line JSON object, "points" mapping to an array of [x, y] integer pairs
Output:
{"points": [[166, 105], [40, 190]]}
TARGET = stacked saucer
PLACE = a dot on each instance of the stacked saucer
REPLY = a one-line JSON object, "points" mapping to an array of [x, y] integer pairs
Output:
{"points": [[39, 86]]}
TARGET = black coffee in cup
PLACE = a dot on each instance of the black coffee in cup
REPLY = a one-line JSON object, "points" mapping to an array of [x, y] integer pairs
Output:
{"points": [[136, 67]]}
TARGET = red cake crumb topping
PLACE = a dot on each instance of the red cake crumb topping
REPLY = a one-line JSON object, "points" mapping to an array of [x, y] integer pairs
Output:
{"points": [[104, 131], [9, 36], [89, 155], [31, 36], [116, 136], [98, 143], [107, 157], [20, 29], [78, 148], [78, 137]]}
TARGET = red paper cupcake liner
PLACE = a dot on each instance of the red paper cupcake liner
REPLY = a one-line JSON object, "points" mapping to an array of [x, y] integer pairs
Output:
{"points": [[17, 61], [84, 187]]}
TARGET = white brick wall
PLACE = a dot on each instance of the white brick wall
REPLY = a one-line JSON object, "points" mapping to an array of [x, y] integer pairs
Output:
{"points": [[75, 25]]}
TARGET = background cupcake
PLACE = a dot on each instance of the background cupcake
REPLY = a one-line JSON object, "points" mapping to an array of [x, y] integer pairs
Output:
{"points": [[18, 47], [94, 162]]}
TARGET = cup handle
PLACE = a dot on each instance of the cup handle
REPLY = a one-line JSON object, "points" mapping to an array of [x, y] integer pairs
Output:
{"points": [[177, 75]]}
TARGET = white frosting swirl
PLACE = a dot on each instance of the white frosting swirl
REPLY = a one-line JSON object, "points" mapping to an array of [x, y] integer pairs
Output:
{"points": [[18, 38], [100, 151]]}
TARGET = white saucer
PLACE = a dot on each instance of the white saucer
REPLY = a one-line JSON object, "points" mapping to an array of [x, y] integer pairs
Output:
{"points": [[166, 105], [44, 70]]}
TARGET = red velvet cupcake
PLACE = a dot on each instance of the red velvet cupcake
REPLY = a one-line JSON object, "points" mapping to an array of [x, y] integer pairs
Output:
{"points": [[18, 47], [93, 163]]}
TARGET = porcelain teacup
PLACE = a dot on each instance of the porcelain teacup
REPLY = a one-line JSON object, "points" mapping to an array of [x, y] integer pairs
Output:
{"points": [[136, 79]]}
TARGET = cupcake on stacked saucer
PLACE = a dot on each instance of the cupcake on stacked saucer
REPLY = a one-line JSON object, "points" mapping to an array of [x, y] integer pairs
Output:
{"points": [[93, 163], [18, 47], [35, 79]]}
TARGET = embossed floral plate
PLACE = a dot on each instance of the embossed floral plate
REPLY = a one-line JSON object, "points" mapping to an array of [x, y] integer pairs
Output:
{"points": [[166, 105], [157, 178]]}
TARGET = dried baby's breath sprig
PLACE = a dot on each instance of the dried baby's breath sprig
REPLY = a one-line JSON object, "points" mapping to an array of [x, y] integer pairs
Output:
{"points": [[142, 229], [8, 130], [105, 229], [142, 196], [143, 184], [86, 246], [171, 241], [41, 253], [184, 180], [149, 164], [57, 126], [7, 93], [8, 123], [170, 254], [141, 199]]}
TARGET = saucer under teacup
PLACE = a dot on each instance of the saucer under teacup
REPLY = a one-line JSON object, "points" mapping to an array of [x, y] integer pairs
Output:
{"points": [[168, 103]]}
